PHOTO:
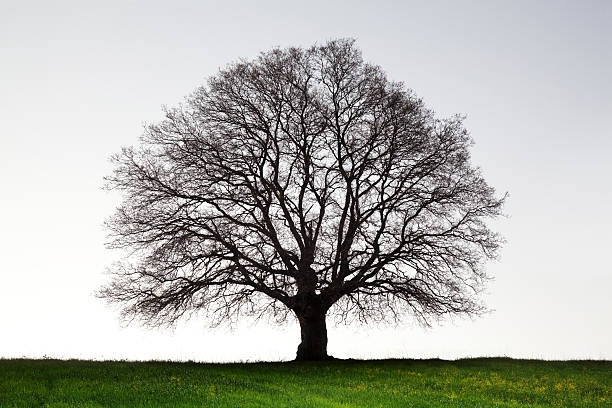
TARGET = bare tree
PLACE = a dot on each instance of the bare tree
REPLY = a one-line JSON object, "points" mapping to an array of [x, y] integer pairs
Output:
{"points": [[303, 182]]}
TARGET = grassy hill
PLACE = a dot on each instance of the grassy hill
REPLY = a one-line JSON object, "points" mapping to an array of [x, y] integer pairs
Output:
{"points": [[386, 383]]}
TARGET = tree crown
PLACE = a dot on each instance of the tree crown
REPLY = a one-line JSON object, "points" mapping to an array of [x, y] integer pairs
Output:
{"points": [[302, 179]]}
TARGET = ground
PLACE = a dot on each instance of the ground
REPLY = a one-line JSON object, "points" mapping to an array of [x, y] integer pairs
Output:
{"points": [[386, 383]]}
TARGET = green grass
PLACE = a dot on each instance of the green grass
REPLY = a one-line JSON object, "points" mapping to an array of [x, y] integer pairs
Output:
{"points": [[393, 383]]}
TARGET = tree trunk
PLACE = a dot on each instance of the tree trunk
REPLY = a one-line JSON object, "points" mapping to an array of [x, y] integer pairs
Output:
{"points": [[314, 338]]}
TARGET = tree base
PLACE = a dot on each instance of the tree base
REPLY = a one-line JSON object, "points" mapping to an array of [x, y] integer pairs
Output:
{"points": [[317, 358]]}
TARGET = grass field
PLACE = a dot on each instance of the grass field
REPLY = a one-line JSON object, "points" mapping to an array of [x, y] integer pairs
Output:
{"points": [[391, 383]]}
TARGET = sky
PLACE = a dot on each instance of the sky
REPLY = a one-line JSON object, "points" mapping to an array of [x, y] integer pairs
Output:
{"points": [[79, 79]]}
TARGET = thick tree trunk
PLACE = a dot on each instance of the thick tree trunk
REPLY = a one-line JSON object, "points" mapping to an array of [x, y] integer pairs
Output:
{"points": [[314, 338]]}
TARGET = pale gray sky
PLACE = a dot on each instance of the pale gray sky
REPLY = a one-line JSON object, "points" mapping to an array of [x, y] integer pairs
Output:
{"points": [[77, 80]]}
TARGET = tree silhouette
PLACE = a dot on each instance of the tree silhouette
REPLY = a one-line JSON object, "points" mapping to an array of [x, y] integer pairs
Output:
{"points": [[301, 183]]}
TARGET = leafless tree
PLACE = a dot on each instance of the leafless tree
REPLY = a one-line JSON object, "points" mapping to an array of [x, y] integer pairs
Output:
{"points": [[301, 183]]}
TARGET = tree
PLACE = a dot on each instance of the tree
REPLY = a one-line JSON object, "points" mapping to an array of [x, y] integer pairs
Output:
{"points": [[303, 182]]}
